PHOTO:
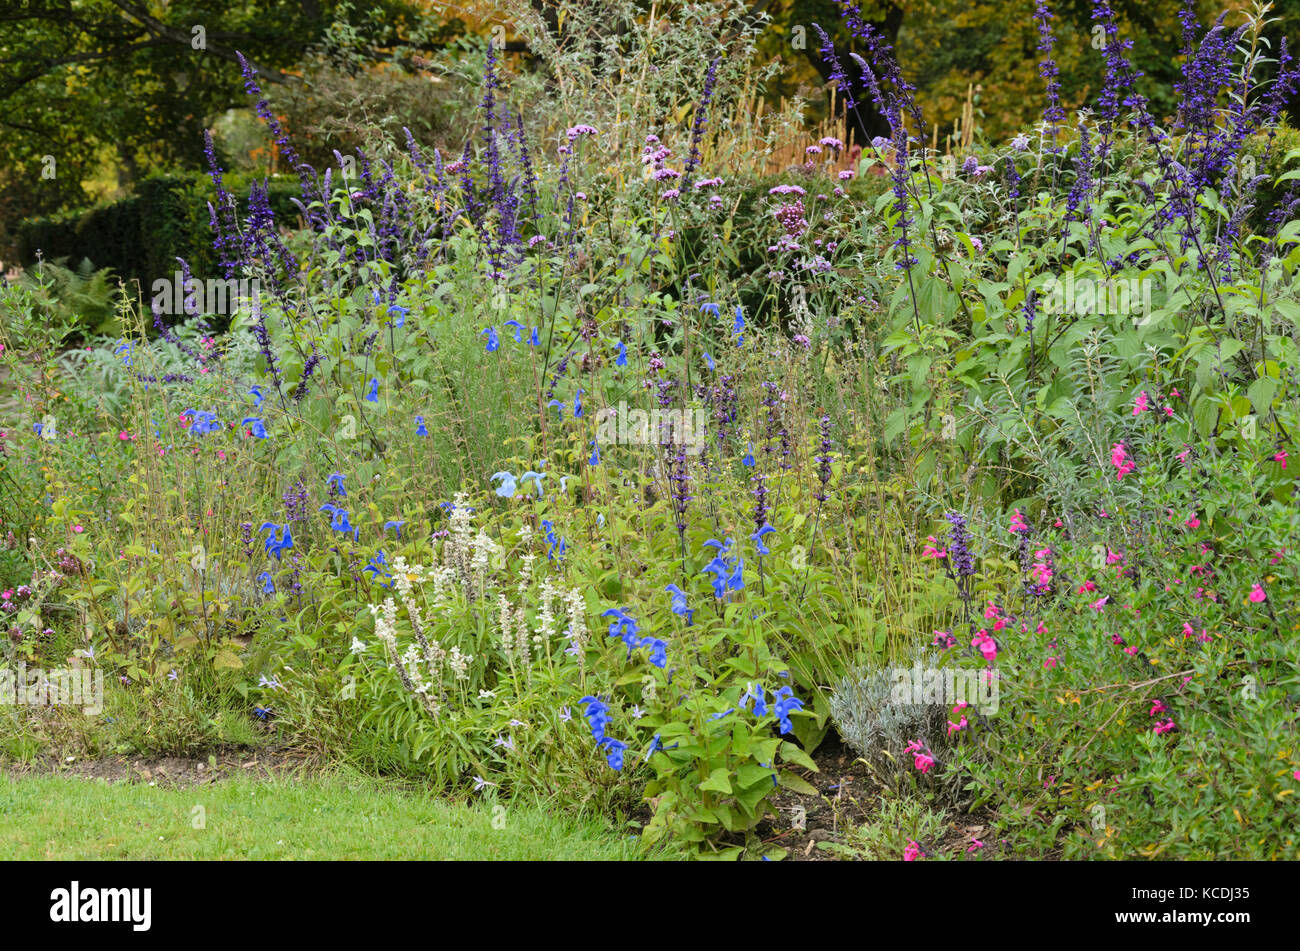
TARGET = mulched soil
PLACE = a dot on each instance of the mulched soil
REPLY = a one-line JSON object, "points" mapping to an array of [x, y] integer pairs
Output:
{"points": [[178, 772], [847, 796]]}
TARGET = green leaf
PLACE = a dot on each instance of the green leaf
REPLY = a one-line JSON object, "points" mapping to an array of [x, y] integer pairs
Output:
{"points": [[792, 754], [717, 781], [793, 782]]}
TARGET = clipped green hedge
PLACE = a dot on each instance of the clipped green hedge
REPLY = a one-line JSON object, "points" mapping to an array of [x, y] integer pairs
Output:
{"points": [[141, 236]]}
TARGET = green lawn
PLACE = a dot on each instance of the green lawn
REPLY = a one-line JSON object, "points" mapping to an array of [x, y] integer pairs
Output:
{"points": [[46, 817]]}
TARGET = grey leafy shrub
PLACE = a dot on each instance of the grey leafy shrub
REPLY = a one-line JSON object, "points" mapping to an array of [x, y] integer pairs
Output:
{"points": [[877, 727]]}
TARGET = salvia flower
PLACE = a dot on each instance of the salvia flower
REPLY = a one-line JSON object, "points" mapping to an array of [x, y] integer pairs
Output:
{"points": [[679, 603]]}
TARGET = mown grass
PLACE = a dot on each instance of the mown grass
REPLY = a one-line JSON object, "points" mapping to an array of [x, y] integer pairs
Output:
{"points": [[51, 817]]}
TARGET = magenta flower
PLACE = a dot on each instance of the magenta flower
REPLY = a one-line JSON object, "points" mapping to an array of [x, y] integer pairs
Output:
{"points": [[1257, 594], [1120, 459]]}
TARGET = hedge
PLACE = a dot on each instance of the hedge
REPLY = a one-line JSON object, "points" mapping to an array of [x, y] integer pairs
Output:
{"points": [[141, 236]]}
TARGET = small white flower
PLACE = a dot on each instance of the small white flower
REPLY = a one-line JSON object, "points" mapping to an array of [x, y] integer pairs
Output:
{"points": [[358, 646]]}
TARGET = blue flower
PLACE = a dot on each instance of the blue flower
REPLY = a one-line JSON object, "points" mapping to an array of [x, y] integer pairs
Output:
{"points": [[757, 538], [728, 573], [256, 393], [739, 326], [758, 695], [36, 428], [396, 525], [518, 327], [719, 716], [400, 313], [532, 338], [339, 520], [507, 487], [709, 360], [595, 454], [538, 476], [577, 403], [709, 309], [558, 406], [276, 545], [261, 712], [656, 744], [749, 457], [623, 626], [597, 714], [557, 544], [786, 703], [419, 427], [336, 479], [255, 426], [621, 359], [614, 756], [268, 586], [372, 395], [376, 568], [203, 423], [658, 651], [679, 603], [492, 341]]}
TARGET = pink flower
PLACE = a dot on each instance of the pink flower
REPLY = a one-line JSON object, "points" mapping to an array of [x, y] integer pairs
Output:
{"points": [[1157, 706], [912, 852], [1018, 523], [1281, 457], [1182, 456], [1049, 664], [1193, 522], [1140, 404], [1296, 775], [78, 529], [1119, 458], [1131, 650], [1100, 602], [931, 551], [957, 727], [1087, 586], [943, 639], [986, 646], [1164, 727], [1257, 594], [1169, 411], [975, 844], [921, 757], [1116, 639]]}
